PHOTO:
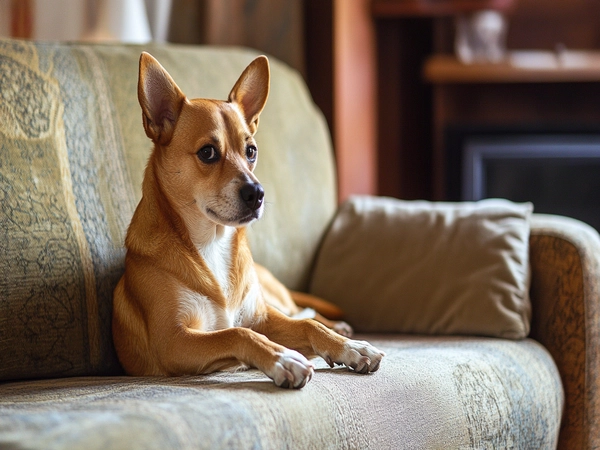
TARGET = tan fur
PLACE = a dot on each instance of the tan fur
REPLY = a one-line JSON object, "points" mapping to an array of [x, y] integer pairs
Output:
{"points": [[291, 303], [190, 301]]}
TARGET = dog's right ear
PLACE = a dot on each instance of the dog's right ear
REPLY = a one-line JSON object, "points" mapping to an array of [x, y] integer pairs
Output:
{"points": [[160, 98]]}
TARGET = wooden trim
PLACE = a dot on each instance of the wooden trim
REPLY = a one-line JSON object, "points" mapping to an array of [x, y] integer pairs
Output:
{"points": [[430, 8], [341, 75], [584, 67], [354, 133], [21, 24]]}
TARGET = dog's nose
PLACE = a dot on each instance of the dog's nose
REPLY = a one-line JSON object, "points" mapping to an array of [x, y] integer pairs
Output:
{"points": [[252, 194]]}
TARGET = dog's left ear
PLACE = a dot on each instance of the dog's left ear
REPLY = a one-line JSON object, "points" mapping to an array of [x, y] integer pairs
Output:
{"points": [[251, 91]]}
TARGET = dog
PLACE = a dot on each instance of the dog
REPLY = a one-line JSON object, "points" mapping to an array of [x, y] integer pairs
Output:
{"points": [[190, 300], [300, 305]]}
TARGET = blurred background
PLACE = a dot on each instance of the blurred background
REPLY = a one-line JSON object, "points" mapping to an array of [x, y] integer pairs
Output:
{"points": [[425, 99]]}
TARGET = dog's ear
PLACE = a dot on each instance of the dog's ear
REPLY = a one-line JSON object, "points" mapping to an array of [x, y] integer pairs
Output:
{"points": [[251, 91], [160, 98]]}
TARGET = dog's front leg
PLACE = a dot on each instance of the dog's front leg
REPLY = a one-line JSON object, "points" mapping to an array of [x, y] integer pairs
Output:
{"points": [[195, 352], [311, 338]]}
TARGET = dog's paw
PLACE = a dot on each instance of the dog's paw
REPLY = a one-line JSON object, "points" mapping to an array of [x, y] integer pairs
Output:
{"points": [[360, 356], [292, 370], [343, 328]]}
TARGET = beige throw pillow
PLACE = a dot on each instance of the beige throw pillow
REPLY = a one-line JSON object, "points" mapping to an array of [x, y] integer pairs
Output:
{"points": [[429, 268]]}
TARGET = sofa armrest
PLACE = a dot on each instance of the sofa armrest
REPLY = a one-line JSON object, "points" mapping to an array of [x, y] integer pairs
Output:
{"points": [[565, 290]]}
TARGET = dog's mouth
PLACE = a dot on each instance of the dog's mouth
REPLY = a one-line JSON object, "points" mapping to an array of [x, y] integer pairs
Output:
{"points": [[254, 215], [243, 219]]}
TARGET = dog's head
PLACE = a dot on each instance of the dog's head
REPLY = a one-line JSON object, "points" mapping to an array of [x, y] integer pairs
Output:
{"points": [[205, 152]]}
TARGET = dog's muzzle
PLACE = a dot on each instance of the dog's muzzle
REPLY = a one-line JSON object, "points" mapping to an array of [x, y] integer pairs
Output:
{"points": [[252, 195]]}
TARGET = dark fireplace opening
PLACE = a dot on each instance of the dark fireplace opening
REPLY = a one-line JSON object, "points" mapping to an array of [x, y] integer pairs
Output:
{"points": [[555, 168]]}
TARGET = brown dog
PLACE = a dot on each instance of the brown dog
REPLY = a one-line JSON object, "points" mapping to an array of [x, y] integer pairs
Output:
{"points": [[190, 301]]}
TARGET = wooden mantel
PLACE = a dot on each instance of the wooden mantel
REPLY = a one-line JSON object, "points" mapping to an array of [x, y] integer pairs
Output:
{"points": [[519, 67], [433, 8]]}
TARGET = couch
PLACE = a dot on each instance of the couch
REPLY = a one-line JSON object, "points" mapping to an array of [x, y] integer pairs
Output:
{"points": [[72, 155]]}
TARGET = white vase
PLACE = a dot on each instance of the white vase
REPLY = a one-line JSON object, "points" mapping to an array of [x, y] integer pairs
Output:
{"points": [[118, 20]]}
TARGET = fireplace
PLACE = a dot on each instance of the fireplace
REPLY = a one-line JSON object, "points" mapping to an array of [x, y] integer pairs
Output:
{"points": [[557, 170]]}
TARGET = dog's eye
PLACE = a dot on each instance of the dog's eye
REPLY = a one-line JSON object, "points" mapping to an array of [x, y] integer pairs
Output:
{"points": [[251, 153], [208, 154]]}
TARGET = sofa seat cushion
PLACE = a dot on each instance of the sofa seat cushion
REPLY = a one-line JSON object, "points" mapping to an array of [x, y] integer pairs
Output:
{"points": [[430, 392]]}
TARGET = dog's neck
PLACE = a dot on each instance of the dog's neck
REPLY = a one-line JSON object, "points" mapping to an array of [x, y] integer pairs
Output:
{"points": [[202, 231]]}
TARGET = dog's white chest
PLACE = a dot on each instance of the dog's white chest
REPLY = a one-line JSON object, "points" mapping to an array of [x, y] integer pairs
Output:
{"points": [[200, 312], [217, 255]]}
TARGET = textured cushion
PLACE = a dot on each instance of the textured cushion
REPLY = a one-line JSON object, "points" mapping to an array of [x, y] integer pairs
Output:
{"points": [[430, 393], [431, 268], [72, 156]]}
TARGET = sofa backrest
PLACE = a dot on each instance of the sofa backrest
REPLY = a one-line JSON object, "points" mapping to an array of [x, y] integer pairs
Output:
{"points": [[72, 156]]}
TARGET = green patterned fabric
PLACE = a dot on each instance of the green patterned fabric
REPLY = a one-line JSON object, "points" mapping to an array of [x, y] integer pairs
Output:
{"points": [[430, 393], [72, 156]]}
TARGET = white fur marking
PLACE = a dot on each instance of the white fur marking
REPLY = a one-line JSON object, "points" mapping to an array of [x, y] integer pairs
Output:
{"points": [[194, 308], [306, 313], [217, 255], [245, 317]]}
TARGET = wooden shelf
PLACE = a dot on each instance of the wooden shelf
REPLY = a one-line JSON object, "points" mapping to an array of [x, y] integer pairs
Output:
{"points": [[519, 67], [433, 8]]}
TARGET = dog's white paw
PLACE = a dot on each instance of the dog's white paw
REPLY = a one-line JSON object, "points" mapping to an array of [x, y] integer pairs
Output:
{"points": [[292, 370], [361, 356], [343, 328]]}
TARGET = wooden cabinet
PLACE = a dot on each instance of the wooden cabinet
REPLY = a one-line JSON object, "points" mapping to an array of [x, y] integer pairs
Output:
{"points": [[423, 91], [535, 90]]}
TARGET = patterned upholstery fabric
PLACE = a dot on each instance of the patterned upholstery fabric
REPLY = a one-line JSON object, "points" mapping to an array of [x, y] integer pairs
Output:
{"points": [[72, 156], [565, 295], [431, 393]]}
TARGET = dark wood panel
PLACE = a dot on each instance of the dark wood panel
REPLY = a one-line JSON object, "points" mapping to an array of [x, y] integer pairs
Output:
{"points": [[519, 103], [318, 32], [404, 108], [546, 23]]}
